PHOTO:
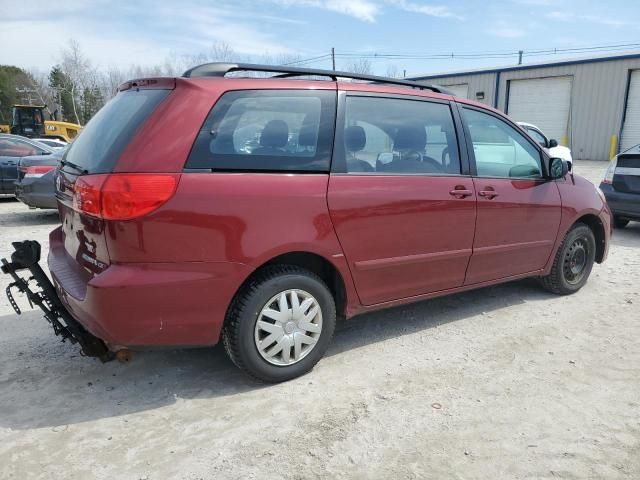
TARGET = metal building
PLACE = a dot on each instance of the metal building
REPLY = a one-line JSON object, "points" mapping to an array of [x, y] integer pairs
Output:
{"points": [[592, 105]]}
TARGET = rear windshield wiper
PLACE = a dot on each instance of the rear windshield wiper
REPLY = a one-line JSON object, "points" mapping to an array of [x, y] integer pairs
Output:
{"points": [[77, 168]]}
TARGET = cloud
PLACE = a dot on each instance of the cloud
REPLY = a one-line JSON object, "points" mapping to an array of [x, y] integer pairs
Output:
{"points": [[561, 16], [440, 11], [369, 10], [364, 10], [126, 33], [537, 3]]}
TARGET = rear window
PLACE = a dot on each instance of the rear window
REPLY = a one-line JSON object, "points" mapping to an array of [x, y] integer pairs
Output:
{"points": [[267, 130], [104, 138]]}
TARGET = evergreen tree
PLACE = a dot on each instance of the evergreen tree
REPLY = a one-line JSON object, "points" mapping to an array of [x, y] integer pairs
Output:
{"points": [[63, 87], [10, 78], [92, 101]]}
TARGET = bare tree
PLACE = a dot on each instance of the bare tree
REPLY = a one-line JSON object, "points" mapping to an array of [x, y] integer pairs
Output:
{"points": [[221, 52], [393, 72], [78, 69], [46, 95], [361, 66]]}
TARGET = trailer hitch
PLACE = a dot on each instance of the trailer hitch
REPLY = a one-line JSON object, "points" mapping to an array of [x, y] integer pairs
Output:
{"points": [[26, 257]]}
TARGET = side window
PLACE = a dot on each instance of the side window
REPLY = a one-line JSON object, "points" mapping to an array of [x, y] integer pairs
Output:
{"points": [[499, 149], [386, 135], [14, 148], [267, 130], [27, 147], [537, 136]]}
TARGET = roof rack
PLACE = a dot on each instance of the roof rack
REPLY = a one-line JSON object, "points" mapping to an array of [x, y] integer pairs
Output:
{"points": [[220, 69]]}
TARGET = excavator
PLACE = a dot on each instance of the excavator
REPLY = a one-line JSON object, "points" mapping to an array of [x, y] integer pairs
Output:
{"points": [[28, 121]]}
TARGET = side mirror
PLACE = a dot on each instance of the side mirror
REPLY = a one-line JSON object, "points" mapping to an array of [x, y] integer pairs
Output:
{"points": [[558, 168], [553, 143]]}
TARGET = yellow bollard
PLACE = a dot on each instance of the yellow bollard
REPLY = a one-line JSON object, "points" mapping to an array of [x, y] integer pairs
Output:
{"points": [[563, 141], [613, 146]]}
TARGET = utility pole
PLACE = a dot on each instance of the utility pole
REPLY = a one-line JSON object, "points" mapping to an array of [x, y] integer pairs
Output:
{"points": [[404, 73], [520, 52], [333, 58]]}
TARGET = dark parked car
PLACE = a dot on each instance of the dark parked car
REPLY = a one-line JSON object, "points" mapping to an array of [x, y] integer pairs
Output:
{"points": [[180, 228], [12, 147], [621, 187], [36, 176]]}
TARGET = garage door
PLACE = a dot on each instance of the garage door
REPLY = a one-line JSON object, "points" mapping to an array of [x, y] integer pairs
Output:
{"points": [[631, 127], [544, 102], [461, 90]]}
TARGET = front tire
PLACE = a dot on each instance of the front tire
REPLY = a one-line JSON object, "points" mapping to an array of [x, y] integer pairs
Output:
{"points": [[573, 262], [280, 324]]}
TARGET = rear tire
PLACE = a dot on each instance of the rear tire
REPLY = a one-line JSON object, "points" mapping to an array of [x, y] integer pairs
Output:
{"points": [[573, 262], [280, 324], [620, 222]]}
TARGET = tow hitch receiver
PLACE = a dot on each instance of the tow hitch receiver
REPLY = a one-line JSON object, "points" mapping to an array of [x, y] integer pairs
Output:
{"points": [[26, 257]]}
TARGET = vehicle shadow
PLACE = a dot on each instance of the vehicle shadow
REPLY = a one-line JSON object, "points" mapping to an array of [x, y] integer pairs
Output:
{"points": [[28, 218], [628, 236], [47, 384]]}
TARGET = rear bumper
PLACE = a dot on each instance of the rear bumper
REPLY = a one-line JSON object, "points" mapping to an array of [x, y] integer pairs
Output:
{"points": [[146, 304], [622, 204], [37, 192]]}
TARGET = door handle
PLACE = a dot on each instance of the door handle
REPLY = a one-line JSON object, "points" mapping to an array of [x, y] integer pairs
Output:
{"points": [[488, 193], [460, 191]]}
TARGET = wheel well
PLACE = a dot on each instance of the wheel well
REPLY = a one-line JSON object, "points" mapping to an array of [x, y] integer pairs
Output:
{"points": [[594, 223], [316, 264]]}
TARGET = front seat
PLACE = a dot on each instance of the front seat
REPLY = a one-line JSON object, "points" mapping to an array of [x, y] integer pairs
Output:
{"points": [[273, 139], [355, 139], [410, 144]]}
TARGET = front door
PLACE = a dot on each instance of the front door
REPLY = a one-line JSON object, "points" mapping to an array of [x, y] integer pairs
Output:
{"points": [[518, 209], [403, 212]]}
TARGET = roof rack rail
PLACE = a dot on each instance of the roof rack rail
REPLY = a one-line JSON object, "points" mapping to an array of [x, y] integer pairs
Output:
{"points": [[220, 69]]}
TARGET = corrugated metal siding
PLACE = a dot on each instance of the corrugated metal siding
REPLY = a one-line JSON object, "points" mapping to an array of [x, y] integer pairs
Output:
{"points": [[597, 99], [485, 82]]}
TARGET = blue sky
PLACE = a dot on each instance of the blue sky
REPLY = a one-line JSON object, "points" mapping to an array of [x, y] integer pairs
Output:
{"points": [[146, 32]]}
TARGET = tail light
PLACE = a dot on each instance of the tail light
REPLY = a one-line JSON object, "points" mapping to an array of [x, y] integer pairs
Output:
{"points": [[36, 171], [122, 196], [608, 176]]}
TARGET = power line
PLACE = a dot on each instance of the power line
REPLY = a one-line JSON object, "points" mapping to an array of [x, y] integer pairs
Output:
{"points": [[517, 55], [487, 55]]}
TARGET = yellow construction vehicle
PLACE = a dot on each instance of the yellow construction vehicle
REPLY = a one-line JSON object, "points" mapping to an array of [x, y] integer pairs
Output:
{"points": [[28, 121]]}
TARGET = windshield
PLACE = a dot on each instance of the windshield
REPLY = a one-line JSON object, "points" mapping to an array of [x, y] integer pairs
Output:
{"points": [[105, 137]]}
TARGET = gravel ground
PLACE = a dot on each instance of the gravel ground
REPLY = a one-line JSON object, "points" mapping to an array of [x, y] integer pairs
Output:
{"points": [[504, 382]]}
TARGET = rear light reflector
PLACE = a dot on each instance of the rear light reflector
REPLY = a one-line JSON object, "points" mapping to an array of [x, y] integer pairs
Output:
{"points": [[86, 194], [36, 171], [611, 170], [122, 196]]}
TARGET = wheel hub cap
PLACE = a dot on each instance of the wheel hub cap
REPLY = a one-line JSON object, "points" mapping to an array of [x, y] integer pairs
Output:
{"points": [[288, 327]]}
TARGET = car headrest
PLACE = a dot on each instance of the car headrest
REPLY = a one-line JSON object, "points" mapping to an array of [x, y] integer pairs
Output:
{"points": [[411, 137], [275, 134], [308, 135], [355, 138]]}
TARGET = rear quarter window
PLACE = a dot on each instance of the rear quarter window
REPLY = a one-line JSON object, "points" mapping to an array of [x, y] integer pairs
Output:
{"points": [[267, 130], [105, 137]]}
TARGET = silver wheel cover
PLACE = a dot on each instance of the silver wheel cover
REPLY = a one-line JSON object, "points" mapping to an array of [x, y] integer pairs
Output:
{"points": [[288, 327]]}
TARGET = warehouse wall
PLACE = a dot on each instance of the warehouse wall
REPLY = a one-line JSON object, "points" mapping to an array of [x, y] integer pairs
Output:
{"points": [[483, 82], [598, 97]]}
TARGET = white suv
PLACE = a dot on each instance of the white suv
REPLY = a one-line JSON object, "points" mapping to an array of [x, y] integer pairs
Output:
{"points": [[550, 145]]}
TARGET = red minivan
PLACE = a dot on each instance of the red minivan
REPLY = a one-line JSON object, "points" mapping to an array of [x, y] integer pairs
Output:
{"points": [[260, 210]]}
